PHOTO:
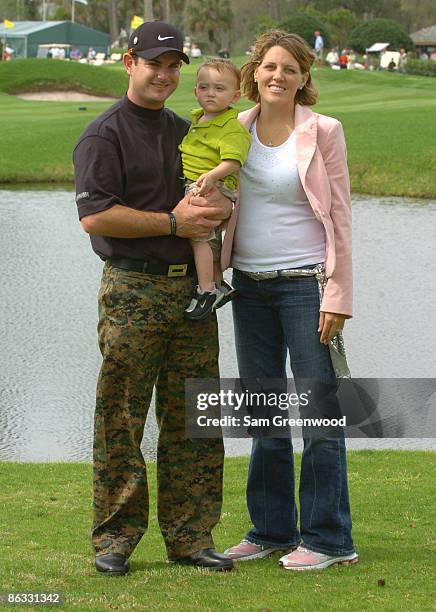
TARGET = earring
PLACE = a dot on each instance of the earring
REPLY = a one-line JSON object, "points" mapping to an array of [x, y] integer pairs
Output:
{"points": [[255, 80]]}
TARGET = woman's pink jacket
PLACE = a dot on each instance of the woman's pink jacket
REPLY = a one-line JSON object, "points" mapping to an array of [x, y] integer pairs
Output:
{"points": [[322, 166]]}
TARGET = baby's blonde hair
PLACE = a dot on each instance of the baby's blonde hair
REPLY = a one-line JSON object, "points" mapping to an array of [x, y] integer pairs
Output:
{"points": [[222, 65]]}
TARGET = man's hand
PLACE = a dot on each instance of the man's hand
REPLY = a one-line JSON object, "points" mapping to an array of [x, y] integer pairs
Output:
{"points": [[330, 324], [195, 221], [216, 202]]}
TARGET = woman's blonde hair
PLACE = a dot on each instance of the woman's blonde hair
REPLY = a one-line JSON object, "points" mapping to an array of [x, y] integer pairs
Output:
{"points": [[297, 46]]}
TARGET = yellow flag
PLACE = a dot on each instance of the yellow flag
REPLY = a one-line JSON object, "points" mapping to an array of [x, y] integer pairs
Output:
{"points": [[8, 24], [136, 22]]}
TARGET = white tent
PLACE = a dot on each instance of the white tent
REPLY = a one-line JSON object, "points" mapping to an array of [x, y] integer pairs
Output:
{"points": [[377, 47]]}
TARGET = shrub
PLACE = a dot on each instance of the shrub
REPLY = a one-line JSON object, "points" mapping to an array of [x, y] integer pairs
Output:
{"points": [[264, 23], [380, 30], [421, 67], [305, 25]]}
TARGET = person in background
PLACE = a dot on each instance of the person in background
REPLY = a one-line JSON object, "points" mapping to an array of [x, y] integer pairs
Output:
{"points": [[224, 53], [92, 54], [294, 187], [343, 60], [122, 38], [367, 62], [351, 63], [75, 54], [402, 61], [319, 47], [332, 57], [195, 50], [8, 54]]}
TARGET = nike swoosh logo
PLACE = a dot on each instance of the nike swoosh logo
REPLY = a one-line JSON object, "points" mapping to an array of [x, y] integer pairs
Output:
{"points": [[164, 37]]}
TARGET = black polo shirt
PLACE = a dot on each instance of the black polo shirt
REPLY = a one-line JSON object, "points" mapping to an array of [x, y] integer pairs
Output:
{"points": [[129, 155]]}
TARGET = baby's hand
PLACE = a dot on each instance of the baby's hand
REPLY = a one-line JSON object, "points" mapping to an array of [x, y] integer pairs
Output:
{"points": [[206, 183]]}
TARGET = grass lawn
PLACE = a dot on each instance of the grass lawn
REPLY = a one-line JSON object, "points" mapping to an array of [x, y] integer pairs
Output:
{"points": [[388, 120], [46, 508]]}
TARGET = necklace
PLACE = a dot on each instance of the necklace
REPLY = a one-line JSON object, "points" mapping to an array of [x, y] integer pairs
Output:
{"points": [[274, 139]]}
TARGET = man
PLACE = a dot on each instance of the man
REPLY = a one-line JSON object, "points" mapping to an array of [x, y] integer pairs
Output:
{"points": [[402, 61], [128, 190], [319, 46]]}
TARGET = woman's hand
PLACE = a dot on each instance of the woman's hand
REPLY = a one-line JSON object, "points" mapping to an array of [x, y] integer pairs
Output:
{"points": [[330, 323]]}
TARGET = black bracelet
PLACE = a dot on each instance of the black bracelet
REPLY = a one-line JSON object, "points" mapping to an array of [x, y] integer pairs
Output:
{"points": [[173, 223]]}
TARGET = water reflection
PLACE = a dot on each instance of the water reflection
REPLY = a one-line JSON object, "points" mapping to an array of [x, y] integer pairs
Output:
{"points": [[48, 314]]}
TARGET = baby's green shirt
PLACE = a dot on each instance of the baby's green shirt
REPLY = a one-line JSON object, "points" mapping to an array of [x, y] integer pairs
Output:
{"points": [[208, 143]]}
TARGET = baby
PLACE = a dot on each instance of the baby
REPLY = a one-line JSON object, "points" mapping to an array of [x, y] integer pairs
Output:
{"points": [[214, 149]]}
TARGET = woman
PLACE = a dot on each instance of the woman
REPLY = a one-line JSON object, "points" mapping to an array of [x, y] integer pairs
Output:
{"points": [[294, 214]]}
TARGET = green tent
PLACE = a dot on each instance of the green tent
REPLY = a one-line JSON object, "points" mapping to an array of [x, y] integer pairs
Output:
{"points": [[25, 37]]}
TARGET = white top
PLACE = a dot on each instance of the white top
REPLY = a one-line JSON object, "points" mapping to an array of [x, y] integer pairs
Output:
{"points": [[276, 228]]}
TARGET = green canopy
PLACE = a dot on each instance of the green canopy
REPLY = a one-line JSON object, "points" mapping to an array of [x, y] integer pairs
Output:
{"points": [[25, 37]]}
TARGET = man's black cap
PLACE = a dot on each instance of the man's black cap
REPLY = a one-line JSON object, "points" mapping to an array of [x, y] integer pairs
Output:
{"points": [[154, 38]]}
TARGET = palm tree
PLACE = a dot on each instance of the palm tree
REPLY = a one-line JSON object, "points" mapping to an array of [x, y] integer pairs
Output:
{"points": [[148, 10], [211, 16]]}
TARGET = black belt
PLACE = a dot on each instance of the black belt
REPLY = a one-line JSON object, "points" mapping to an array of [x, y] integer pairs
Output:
{"points": [[153, 266]]}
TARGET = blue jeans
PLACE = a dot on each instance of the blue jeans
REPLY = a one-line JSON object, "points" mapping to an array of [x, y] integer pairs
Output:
{"points": [[272, 317]]}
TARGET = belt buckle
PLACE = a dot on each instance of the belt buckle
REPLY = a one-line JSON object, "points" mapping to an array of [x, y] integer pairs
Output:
{"points": [[177, 270]]}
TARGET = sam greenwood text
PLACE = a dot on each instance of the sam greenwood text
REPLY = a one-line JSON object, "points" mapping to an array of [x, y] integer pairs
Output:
{"points": [[276, 421]]}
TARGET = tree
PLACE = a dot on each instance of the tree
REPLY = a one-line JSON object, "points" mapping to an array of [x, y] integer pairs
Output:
{"points": [[418, 13], [114, 27], [342, 22], [367, 9], [380, 30], [148, 10], [264, 23], [213, 17], [177, 12], [305, 25], [8, 10], [31, 10]]}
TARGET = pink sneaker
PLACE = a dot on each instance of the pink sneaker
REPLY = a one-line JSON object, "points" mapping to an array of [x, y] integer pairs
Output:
{"points": [[248, 551], [303, 559]]}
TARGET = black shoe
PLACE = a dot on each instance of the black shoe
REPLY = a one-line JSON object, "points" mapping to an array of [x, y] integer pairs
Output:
{"points": [[112, 564], [207, 558], [202, 304]]}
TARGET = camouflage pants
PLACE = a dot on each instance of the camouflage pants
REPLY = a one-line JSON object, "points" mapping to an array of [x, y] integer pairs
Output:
{"points": [[145, 342]]}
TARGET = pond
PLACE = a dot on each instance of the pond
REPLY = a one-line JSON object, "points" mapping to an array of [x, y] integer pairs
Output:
{"points": [[48, 313]]}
